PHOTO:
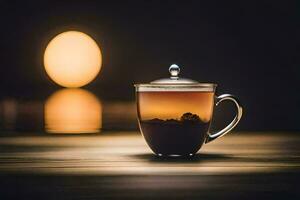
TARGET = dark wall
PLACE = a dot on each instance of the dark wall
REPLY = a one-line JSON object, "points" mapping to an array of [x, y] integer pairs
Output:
{"points": [[247, 47]]}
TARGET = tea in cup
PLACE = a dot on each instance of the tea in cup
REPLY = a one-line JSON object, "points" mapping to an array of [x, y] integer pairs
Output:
{"points": [[175, 114]]}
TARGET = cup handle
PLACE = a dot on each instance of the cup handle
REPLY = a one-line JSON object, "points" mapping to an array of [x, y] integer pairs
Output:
{"points": [[233, 123]]}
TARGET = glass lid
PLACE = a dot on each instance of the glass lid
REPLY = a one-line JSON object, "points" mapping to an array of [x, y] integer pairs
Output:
{"points": [[175, 83], [174, 78]]}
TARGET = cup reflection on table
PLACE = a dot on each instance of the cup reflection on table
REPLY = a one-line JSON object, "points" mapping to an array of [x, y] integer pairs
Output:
{"points": [[73, 111]]}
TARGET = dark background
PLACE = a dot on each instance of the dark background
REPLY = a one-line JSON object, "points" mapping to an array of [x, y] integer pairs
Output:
{"points": [[248, 48]]}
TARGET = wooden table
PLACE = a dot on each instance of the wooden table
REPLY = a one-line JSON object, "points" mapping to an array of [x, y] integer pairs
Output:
{"points": [[115, 165]]}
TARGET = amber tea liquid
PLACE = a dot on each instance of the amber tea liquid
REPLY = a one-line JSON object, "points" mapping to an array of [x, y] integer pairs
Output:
{"points": [[175, 122]]}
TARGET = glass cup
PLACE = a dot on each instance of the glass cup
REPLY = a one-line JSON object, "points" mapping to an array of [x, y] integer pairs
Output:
{"points": [[175, 114]]}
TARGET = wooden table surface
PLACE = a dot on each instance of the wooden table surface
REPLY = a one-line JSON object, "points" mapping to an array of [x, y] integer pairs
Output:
{"points": [[115, 165]]}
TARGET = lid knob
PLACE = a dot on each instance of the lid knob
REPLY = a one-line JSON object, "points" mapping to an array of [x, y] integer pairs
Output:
{"points": [[174, 71], [174, 79]]}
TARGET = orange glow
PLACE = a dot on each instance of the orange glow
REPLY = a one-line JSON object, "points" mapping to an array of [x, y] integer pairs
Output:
{"points": [[73, 111], [72, 59], [172, 105]]}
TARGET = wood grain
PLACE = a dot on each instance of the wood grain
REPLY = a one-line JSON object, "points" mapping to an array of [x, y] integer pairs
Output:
{"points": [[120, 165]]}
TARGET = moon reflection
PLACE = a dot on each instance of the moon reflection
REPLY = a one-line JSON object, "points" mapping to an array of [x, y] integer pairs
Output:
{"points": [[73, 111]]}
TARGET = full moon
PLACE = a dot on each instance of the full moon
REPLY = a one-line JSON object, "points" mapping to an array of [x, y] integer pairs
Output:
{"points": [[72, 59]]}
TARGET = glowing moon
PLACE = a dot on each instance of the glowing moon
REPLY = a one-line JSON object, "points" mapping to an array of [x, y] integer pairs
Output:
{"points": [[72, 59]]}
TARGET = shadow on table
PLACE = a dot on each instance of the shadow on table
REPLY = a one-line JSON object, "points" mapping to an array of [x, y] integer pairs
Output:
{"points": [[201, 157]]}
